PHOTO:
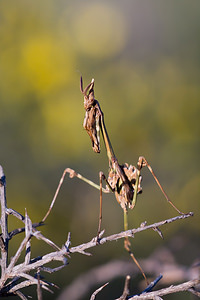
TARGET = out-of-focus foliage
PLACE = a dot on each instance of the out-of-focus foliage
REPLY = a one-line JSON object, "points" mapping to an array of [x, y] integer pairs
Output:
{"points": [[144, 56]]}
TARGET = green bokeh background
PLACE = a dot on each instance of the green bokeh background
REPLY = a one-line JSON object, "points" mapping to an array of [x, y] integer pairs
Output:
{"points": [[145, 58]]}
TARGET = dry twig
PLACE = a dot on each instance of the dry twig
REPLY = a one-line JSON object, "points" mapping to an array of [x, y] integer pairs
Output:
{"points": [[126, 291], [98, 290], [186, 286], [127, 233], [11, 272]]}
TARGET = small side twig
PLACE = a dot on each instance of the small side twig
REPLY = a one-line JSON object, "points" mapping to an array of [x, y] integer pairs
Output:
{"points": [[126, 291], [21, 295], [39, 290], [186, 286], [98, 290], [4, 222], [22, 229], [194, 292], [152, 285], [28, 231]]}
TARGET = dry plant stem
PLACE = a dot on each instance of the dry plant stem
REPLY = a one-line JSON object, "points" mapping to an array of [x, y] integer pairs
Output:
{"points": [[129, 233], [18, 293], [126, 291], [186, 286], [97, 291], [28, 231], [22, 229], [38, 234], [4, 223], [30, 281], [5, 236], [21, 270], [11, 272], [196, 293], [60, 255], [39, 290]]}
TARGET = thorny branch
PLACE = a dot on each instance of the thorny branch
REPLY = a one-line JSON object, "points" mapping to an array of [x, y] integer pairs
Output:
{"points": [[98, 290], [127, 233], [12, 272], [126, 291], [161, 261], [186, 286], [4, 220]]}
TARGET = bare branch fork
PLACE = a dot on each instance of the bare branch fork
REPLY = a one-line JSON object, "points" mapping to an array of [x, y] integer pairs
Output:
{"points": [[11, 271]]}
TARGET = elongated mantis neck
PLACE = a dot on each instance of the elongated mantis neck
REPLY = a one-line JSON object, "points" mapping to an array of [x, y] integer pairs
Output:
{"points": [[113, 162], [125, 220], [108, 145]]}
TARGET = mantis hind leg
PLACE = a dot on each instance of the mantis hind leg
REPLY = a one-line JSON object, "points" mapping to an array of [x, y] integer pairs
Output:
{"points": [[127, 246], [100, 205], [142, 162], [101, 178]]}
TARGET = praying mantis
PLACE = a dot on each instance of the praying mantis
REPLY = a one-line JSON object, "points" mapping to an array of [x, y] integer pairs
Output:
{"points": [[123, 180]]}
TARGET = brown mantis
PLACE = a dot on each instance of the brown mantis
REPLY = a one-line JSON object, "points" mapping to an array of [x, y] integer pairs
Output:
{"points": [[123, 180]]}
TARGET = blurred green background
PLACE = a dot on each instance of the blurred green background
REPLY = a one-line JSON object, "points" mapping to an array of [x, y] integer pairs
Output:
{"points": [[145, 58]]}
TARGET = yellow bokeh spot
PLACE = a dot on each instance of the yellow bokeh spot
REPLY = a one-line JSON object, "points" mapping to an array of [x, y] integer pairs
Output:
{"points": [[46, 63], [99, 30]]}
